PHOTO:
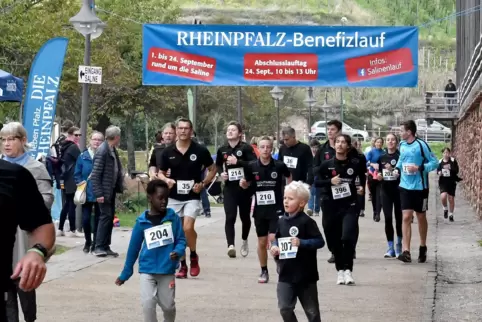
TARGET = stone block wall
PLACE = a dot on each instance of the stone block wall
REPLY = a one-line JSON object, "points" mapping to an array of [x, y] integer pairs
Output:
{"points": [[468, 151]]}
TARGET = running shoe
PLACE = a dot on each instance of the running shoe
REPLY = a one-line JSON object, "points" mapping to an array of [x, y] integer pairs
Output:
{"points": [[208, 215], [451, 218], [263, 277], [182, 272], [398, 247], [340, 279], [390, 253], [331, 260], [376, 217], [422, 254], [99, 252], [244, 248], [405, 257], [110, 252], [195, 269], [348, 278], [362, 213], [309, 212], [446, 214], [60, 233], [231, 251], [86, 248]]}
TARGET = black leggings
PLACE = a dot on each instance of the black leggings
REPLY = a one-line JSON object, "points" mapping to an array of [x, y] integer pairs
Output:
{"points": [[390, 198], [235, 197], [375, 192], [341, 231], [68, 209]]}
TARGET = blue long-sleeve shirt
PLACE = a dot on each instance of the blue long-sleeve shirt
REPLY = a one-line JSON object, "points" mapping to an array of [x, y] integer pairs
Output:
{"points": [[373, 156], [415, 153]]}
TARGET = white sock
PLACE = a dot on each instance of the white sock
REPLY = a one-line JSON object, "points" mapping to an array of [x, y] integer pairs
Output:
{"points": [[445, 208], [451, 213]]}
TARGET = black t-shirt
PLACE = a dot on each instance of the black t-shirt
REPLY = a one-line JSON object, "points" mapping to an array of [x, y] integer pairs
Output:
{"points": [[243, 152], [299, 160], [186, 169], [389, 181], [267, 183], [348, 170], [155, 160], [21, 204], [303, 269], [449, 171]]}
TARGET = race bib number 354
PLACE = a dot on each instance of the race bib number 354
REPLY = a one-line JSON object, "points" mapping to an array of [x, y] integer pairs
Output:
{"points": [[286, 249], [159, 236]]}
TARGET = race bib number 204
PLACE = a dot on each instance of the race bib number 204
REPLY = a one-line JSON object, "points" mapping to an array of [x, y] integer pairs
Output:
{"points": [[158, 236]]}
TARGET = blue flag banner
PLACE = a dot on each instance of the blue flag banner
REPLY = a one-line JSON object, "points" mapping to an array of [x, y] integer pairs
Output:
{"points": [[323, 56], [41, 98]]}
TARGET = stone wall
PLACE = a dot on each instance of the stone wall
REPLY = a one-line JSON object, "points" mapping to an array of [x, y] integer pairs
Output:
{"points": [[468, 151]]}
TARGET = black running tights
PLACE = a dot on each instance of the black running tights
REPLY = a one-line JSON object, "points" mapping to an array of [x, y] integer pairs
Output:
{"points": [[391, 205], [235, 198]]}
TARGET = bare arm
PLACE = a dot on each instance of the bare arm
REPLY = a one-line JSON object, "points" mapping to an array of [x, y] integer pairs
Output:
{"points": [[211, 174]]}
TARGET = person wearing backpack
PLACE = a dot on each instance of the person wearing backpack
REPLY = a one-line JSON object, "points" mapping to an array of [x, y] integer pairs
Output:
{"points": [[69, 152]]}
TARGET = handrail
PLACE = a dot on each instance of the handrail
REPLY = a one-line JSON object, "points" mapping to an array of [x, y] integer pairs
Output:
{"points": [[472, 74], [472, 63]]}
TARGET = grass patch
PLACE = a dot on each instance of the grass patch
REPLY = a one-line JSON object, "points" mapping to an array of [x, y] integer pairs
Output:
{"points": [[60, 249], [480, 243]]}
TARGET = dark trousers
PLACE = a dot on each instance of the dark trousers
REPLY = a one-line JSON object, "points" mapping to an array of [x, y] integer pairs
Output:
{"points": [[391, 204], [341, 233], [375, 193], [87, 220], [106, 223], [235, 197], [28, 302], [288, 294], [68, 209]]}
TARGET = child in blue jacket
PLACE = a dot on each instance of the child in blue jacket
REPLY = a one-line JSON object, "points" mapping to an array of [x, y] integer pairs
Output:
{"points": [[159, 242]]}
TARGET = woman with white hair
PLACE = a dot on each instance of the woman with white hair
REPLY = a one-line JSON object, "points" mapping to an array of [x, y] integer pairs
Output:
{"points": [[14, 150]]}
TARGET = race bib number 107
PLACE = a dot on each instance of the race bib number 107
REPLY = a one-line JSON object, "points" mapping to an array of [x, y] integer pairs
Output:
{"points": [[286, 249]]}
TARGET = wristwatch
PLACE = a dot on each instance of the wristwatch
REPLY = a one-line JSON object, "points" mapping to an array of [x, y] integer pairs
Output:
{"points": [[42, 249]]}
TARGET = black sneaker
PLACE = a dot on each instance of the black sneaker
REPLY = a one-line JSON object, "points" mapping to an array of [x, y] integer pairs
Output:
{"points": [[376, 217], [362, 213], [87, 248], [446, 214], [208, 215], [111, 253], [405, 257], [451, 218], [422, 255], [92, 248], [99, 252], [331, 260]]}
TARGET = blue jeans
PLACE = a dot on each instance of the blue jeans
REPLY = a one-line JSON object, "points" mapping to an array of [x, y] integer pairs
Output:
{"points": [[314, 202]]}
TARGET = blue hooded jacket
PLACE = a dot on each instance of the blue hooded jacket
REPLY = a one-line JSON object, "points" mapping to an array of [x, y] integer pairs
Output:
{"points": [[156, 260], [83, 168]]}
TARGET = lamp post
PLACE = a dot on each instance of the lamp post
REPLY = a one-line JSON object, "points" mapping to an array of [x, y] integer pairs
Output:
{"points": [[325, 108], [277, 94], [343, 21], [309, 101], [91, 27]]}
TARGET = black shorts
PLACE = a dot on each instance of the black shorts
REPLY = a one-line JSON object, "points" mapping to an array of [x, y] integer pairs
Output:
{"points": [[416, 200], [449, 188], [266, 223]]}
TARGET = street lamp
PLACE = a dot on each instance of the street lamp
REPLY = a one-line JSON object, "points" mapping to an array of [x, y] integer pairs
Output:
{"points": [[91, 27], [325, 108], [343, 21], [309, 101], [277, 94]]}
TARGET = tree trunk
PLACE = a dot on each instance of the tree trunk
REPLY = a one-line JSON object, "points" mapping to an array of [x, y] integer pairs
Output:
{"points": [[131, 155]]}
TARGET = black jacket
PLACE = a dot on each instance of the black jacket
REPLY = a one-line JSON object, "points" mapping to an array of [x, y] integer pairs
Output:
{"points": [[103, 182], [69, 152], [304, 161]]}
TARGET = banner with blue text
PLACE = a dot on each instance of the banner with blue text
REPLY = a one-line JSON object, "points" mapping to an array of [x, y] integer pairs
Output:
{"points": [[41, 98], [236, 55]]}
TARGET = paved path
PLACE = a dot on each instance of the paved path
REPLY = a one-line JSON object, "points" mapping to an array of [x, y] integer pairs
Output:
{"points": [[81, 288]]}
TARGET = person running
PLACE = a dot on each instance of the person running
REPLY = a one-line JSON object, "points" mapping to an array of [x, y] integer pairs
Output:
{"points": [[231, 160], [415, 162], [297, 240], [336, 178], [448, 170], [297, 156], [186, 160], [163, 138], [254, 145], [373, 156], [314, 203], [361, 197], [158, 241], [266, 176], [390, 196]]}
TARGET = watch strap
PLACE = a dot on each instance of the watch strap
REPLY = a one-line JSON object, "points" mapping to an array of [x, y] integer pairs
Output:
{"points": [[38, 251]]}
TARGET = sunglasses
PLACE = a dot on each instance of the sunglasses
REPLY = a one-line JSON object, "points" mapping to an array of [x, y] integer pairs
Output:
{"points": [[78, 135]]}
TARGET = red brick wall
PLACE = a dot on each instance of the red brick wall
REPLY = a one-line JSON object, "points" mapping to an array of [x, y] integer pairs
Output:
{"points": [[468, 151]]}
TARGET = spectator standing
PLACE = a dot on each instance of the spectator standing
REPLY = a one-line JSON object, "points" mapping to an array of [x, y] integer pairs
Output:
{"points": [[450, 94]]}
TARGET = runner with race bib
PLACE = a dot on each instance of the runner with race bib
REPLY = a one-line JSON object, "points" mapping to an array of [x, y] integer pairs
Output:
{"points": [[448, 170], [336, 178], [266, 177], [390, 196], [231, 160], [297, 156], [297, 240], [186, 159]]}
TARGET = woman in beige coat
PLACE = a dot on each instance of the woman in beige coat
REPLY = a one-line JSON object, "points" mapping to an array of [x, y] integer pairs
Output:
{"points": [[14, 149]]}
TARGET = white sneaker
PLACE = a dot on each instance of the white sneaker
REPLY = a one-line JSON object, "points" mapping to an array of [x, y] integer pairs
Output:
{"points": [[341, 278], [231, 251], [60, 233], [244, 248], [69, 234], [348, 278], [79, 234]]}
